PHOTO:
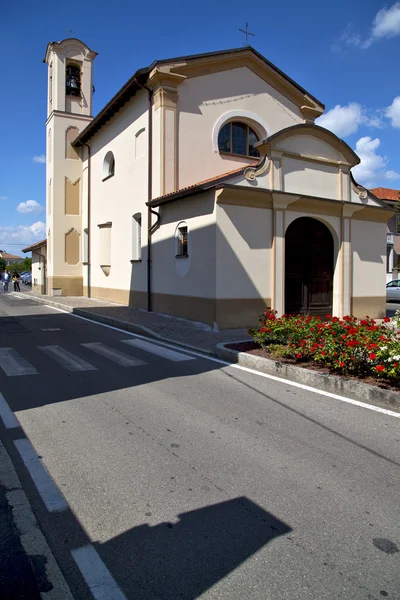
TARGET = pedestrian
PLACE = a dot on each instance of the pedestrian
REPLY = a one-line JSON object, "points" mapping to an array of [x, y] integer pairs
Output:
{"points": [[16, 280], [6, 279]]}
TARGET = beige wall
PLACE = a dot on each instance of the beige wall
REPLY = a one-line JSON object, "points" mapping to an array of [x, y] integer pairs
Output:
{"points": [[244, 252], [369, 268], [202, 101], [62, 195], [302, 177]]}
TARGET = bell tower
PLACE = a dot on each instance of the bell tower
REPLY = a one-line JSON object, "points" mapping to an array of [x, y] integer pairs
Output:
{"points": [[69, 111]]}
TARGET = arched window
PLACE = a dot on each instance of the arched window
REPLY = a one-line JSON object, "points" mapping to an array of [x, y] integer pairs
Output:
{"points": [[108, 165], [238, 138], [73, 80]]}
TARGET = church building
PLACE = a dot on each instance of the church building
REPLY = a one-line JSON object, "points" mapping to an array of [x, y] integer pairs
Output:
{"points": [[205, 190]]}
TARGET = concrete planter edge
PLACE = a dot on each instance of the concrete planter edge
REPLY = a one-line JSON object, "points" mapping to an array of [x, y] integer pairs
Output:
{"points": [[356, 390]]}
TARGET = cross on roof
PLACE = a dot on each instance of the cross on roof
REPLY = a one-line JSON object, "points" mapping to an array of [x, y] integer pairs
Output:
{"points": [[247, 33]]}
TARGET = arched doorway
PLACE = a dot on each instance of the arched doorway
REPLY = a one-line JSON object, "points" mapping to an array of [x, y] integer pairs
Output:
{"points": [[308, 267]]}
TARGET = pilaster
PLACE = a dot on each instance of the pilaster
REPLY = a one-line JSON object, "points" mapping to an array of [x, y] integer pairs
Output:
{"points": [[165, 157]]}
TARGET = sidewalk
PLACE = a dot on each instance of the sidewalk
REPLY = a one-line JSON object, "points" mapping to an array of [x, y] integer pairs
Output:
{"points": [[29, 570], [190, 334]]}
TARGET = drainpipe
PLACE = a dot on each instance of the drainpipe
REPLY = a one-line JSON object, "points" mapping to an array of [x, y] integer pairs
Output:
{"points": [[150, 230], [89, 267]]}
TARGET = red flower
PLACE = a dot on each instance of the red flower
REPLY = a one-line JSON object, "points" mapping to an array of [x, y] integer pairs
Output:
{"points": [[298, 355], [372, 356], [380, 368], [386, 320], [342, 364]]}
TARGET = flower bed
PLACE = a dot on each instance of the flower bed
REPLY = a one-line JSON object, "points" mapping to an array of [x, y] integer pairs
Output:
{"points": [[354, 347]]}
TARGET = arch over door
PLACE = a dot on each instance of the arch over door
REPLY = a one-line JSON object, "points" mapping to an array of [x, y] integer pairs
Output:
{"points": [[308, 268]]}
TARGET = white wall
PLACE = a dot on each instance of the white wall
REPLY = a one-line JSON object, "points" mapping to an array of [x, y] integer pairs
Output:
{"points": [[195, 275], [119, 197]]}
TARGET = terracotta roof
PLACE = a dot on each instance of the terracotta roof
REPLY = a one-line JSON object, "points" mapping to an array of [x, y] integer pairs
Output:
{"points": [[386, 193], [141, 76], [8, 256], [198, 187], [35, 246]]}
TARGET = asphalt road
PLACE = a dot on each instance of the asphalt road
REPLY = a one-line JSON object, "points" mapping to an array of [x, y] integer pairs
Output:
{"points": [[184, 478], [391, 308]]}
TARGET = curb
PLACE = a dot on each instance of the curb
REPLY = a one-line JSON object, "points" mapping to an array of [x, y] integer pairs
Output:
{"points": [[329, 383], [125, 325], [31, 536]]}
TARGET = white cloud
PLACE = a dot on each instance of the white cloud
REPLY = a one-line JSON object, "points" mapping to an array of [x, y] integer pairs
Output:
{"points": [[39, 158], [393, 112], [30, 206], [385, 25], [3, 197], [344, 120], [349, 37], [22, 234], [372, 170]]}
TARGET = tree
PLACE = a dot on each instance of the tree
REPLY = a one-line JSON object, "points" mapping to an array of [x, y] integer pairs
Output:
{"points": [[2, 264], [26, 264]]}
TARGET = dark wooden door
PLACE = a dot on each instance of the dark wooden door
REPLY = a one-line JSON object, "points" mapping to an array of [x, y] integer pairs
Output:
{"points": [[308, 268]]}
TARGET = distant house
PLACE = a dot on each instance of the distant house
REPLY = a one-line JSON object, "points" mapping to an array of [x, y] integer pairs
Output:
{"points": [[38, 266], [10, 258], [391, 198]]}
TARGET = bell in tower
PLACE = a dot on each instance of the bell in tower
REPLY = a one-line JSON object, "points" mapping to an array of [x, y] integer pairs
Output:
{"points": [[73, 80]]}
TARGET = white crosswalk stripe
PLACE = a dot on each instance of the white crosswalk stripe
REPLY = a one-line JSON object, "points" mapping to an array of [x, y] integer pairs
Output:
{"points": [[158, 350], [13, 364], [116, 356], [67, 359]]}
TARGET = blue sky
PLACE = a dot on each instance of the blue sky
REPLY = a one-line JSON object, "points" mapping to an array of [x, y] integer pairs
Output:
{"points": [[344, 53]]}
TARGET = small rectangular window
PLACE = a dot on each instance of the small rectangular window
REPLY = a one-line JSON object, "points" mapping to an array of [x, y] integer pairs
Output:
{"points": [[182, 241], [398, 222], [137, 237]]}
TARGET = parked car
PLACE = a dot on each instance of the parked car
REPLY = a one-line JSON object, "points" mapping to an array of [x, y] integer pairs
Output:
{"points": [[393, 291], [27, 279]]}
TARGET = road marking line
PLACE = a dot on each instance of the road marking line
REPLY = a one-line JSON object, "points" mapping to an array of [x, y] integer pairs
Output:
{"points": [[98, 578], [7, 416], [288, 382], [117, 356], [158, 350], [49, 492], [13, 364], [51, 329], [66, 359]]}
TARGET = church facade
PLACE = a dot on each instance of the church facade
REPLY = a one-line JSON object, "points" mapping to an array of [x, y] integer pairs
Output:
{"points": [[205, 190]]}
